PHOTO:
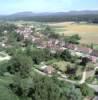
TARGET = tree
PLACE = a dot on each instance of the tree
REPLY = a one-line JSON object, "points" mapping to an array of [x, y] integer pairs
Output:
{"points": [[52, 89], [6, 93], [27, 42], [74, 39], [54, 36], [39, 55], [84, 61], [48, 31], [65, 55], [3, 67], [20, 86], [92, 46], [71, 69], [86, 91], [21, 64]]}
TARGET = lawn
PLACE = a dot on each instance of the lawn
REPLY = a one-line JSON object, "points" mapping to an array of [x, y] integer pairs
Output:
{"points": [[88, 32], [61, 65]]}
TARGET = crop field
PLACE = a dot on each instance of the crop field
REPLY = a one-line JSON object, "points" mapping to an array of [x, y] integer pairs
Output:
{"points": [[87, 32]]}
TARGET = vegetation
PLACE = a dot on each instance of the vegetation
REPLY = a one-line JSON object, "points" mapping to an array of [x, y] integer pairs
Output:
{"points": [[7, 27], [57, 18], [39, 55], [66, 55], [27, 87], [20, 64], [87, 31], [86, 91], [48, 31], [74, 39]]}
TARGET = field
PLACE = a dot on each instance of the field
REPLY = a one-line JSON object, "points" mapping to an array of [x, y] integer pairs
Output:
{"points": [[88, 32], [95, 46]]}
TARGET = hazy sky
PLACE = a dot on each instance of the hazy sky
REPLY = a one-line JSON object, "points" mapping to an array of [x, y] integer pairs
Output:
{"points": [[12, 6]]}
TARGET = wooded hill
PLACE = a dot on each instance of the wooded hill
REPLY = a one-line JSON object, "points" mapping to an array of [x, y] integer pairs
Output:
{"points": [[89, 16]]}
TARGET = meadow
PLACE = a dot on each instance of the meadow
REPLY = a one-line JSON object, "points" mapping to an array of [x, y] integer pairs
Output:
{"points": [[87, 31]]}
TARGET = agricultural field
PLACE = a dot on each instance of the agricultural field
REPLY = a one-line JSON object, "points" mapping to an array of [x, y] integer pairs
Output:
{"points": [[88, 32], [95, 46]]}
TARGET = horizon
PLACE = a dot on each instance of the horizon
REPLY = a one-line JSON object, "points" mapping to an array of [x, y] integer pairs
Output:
{"points": [[46, 6], [46, 12]]}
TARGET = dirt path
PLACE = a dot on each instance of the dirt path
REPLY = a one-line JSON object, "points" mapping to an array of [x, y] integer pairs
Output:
{"points": [[64, 77], [83, 78], [7, 57]]}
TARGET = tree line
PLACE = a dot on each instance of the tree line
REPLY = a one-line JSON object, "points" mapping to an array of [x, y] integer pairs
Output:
{"points": [[92, 18]]}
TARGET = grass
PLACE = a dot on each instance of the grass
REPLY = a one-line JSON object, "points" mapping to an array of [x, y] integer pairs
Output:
{"points": [[61, 65], [88, 32]]}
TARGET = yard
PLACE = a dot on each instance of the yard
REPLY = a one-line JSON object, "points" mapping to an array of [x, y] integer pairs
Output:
{"points": [[63, 66]]}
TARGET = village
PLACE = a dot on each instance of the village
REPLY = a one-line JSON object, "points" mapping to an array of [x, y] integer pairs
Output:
{"points": [[48, 49], [56, 44], [71, 70]]}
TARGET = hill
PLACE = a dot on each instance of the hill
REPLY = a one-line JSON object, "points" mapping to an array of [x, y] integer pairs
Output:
{"points": [[54, 17]]}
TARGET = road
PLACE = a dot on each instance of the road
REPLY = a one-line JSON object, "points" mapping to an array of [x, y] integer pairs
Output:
{"points": [[64, 77], [7, 57], [83, 77]]}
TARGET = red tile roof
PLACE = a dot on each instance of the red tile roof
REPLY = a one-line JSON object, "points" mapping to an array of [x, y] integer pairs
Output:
{"points": [[94, 53], [83, 49]]}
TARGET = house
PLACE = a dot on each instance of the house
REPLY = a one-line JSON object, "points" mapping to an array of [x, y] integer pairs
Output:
{"points": [[70, 46], [78, 50], [25, 31], [48, 69], [94, 56], [82, 51]]}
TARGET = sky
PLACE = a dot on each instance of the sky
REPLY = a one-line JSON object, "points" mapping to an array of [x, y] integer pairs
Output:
{"points": [[13, 6]]}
